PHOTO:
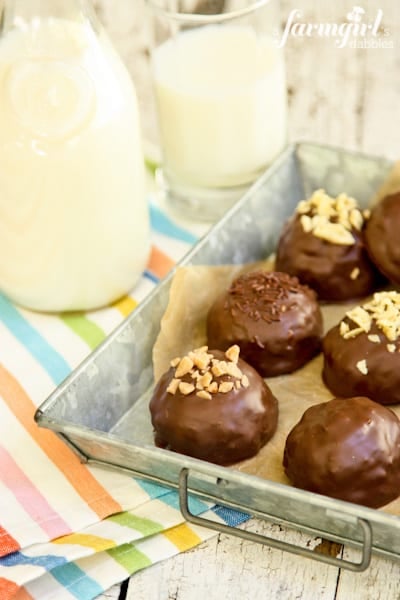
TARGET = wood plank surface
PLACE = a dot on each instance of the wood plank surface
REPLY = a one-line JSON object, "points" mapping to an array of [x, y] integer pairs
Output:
{"points": [[348, 97], [234, 569], [225, 567]]}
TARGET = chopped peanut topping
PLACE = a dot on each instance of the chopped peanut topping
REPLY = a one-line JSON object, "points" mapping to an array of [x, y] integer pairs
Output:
{"points": [[306, 223], [213, 387], [360, 317], [225, 387], [204, 395], [186, 388], [334, 233], [355, 273], [232, 353], [245, 381], [205, 379], [218, 368], [201, 359], [352, 333], [374, 338], [173, 386], [184, 367], [233, 370], [383, 310], [331, 219], [203, 368], [362, 367], [356, 219]]}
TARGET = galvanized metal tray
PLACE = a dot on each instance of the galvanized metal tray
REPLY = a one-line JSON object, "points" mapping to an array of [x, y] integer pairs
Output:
{"points": [[101, 409]]}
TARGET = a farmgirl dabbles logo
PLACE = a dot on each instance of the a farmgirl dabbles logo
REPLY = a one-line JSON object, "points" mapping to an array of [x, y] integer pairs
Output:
{"points": [[358, 31]]}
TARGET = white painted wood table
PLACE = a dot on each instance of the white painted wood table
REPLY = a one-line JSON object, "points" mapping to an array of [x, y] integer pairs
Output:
{"points": [[347, 97]]}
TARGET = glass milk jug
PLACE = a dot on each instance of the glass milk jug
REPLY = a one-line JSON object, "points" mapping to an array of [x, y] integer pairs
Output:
{"points": [[74, 225]]}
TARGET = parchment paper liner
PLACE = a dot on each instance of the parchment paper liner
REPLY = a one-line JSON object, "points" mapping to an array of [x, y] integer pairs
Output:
{"points": [[390, 186], [193, 290]]}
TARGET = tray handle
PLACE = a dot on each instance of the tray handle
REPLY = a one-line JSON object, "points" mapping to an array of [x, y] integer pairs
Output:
{"points": [[365, 528]]}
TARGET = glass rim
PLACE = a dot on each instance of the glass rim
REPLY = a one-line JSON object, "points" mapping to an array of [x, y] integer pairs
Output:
{"points": [[194, 18]]}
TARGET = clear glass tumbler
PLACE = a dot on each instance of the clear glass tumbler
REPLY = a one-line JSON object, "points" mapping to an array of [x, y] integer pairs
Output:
{"points": [[219, 80]]}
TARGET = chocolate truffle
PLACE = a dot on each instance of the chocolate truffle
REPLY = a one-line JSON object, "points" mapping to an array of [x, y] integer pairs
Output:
{"points": [[347, 448], [362, 352], [276, 322], [382, 236], [213, 406], [323, 245]]}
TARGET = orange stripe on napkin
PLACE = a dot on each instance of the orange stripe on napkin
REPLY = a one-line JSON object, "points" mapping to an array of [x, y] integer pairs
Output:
{"points": [[7, 543], [22, 594], [159, 263], [8, 589], [90, 490]]}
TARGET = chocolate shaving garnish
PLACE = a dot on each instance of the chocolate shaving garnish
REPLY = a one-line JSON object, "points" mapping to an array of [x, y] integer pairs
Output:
{"points": [[256, 295]]}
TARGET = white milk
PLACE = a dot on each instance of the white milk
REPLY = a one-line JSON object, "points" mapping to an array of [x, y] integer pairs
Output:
{"points": [[73, 216], [221, 97]]}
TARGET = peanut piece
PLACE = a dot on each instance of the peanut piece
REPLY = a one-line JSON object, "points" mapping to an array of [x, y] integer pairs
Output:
{"points": [[232, 353], [203, 394], [186, 388], [245, 381], [362, 367], [185, 365], [213, 387], [225, 387], [173, 386]]}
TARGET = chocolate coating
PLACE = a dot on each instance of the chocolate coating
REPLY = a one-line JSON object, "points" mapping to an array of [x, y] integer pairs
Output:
{"points": [[276, 322], [226, 429], [382, 236], [342, 376], [347, 449], [324, 266]]}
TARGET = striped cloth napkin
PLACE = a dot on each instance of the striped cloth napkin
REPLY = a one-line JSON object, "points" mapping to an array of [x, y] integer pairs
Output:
{"points": [[68, 530]]}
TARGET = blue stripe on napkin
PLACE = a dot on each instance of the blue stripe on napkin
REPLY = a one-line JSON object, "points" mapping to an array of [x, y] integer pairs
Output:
{"points": [[161, 223], [77, 582], [51, 361]]}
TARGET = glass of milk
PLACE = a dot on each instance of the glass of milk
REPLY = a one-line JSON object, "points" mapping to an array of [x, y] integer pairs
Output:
{"points": [[74, 223], [220, 89]]}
